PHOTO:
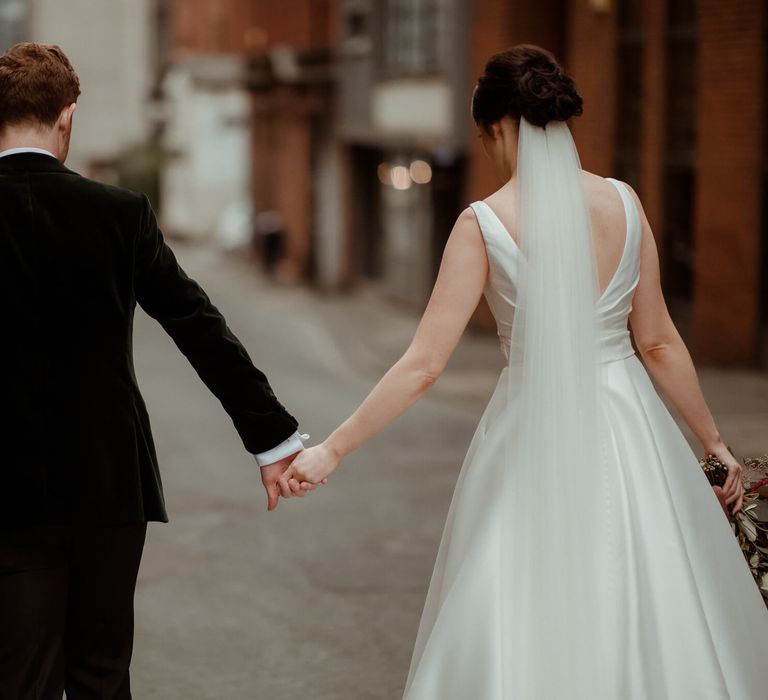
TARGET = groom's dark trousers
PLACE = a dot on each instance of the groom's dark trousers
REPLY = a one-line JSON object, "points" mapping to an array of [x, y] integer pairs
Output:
{"points": [[66, 604], [79, 477]]}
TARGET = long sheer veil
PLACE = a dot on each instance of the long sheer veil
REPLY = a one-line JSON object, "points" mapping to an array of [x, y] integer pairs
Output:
{"points": [[559, 593]]}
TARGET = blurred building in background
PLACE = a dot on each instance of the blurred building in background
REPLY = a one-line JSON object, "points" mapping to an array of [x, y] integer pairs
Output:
{"points": [[13, 22], [111, 46], [335, 136], [681, 88], [675, 104], [207, 137], [250, 117], [403, 121], [114, 48]]}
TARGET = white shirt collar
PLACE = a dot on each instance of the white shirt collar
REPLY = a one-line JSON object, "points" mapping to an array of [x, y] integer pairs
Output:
{"points": [[26, 149]]}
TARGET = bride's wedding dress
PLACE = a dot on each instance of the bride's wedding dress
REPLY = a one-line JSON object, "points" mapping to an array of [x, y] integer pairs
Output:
{"points": [[691, 623]]}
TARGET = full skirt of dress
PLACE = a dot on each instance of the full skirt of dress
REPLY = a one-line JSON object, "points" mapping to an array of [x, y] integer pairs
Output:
{"points": [[694, 627]]}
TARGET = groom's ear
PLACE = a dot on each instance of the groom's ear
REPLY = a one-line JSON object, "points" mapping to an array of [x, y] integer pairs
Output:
{"points": [[63, 131], [65, 117]]}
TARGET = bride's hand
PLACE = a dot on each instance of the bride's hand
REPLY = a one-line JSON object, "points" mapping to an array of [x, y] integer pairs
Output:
{"points": [[732, 489], [313, 466]]}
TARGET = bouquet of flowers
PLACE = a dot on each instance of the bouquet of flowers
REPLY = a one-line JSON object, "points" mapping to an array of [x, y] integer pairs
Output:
{"points": [[750, 524]]}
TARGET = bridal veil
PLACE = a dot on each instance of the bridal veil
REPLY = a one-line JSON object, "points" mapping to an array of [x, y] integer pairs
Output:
{"points": [[555, 454]]}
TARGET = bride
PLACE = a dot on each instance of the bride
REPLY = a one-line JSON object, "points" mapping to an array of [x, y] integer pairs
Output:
{"points": [[585, 556]]}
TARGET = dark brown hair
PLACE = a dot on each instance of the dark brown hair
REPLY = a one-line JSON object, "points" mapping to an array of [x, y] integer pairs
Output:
{"points": [[525, 81], [37, 81]]}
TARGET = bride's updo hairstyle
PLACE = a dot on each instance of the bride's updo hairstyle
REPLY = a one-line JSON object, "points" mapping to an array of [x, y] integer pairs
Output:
{"points": [[525, 81]]}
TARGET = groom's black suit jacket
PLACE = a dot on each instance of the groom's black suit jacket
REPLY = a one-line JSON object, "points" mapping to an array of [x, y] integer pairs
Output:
{"points": [[75, 258]]}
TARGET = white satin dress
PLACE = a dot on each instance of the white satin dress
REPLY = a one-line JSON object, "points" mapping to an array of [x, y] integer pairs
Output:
{"points": [[696, 626]]}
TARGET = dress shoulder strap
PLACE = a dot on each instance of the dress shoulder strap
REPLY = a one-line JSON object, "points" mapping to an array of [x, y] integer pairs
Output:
{"points": [[485, 219], [634, 226]]}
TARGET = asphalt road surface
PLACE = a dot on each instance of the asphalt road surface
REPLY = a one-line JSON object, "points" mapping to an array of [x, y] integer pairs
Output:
{"points": [[319, 600]]}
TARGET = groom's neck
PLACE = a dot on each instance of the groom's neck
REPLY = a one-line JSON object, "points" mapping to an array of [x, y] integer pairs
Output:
{"points": [[30, 137]]}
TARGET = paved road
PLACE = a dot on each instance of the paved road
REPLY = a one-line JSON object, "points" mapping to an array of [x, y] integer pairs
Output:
{"points": [[319, 600]]}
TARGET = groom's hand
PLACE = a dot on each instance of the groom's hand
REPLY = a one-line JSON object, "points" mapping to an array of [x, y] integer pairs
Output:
{"points": [[270, 477]]}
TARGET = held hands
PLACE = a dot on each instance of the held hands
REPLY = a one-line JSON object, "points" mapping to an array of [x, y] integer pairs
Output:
{"points": [[311, 468], [270, 477], [298, 474]]}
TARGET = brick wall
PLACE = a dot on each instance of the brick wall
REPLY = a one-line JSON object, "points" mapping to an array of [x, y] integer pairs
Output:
{"points": [[217, 27], [282, 117], [728, 203], [731, 126], [251, 26], [654, 105], [583, 39], [583, 34], [496, 26], [591, 43]]}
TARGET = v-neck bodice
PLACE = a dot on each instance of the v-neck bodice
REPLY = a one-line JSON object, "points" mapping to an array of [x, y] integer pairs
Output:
{"points": [[614, 304]]}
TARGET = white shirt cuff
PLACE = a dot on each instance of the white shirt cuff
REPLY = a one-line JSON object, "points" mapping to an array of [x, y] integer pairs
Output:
{"points": [[292, 445]]}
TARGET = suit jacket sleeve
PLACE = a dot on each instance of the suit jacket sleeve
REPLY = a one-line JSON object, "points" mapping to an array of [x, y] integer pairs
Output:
{"points": [[199, 330]]}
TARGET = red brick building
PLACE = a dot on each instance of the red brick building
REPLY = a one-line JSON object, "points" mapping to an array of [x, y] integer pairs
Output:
{"points": [[675, 104], [286, 46], [250, 27]]}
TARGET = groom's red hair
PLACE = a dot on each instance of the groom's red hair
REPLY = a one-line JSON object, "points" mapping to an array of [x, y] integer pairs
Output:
{"points": [[37, 81]]}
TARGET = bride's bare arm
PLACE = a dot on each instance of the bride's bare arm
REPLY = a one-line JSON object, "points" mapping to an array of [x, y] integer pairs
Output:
{"points": [[668, 361], [457, 291]]}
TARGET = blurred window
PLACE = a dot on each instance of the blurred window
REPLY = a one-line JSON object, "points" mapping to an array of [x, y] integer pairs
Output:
{"points": [[13, 22], [680, 146], [413, 36], [630, 93], [357, 23]]}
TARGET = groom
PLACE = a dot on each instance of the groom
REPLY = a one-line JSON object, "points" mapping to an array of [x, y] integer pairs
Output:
{"points": [[79, 477]]}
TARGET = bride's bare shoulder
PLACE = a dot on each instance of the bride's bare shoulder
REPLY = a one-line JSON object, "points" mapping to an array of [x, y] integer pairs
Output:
{"points": [[598, 184], [595, 183], [602, 197]]}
